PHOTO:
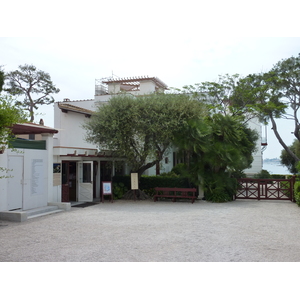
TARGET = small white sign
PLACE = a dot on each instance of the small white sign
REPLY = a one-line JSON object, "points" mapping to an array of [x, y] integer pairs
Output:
{"points": [[134, 181], [37, 177], [106, 188]]}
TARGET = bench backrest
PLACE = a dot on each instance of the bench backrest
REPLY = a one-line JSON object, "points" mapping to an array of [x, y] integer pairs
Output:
{"points": [[160, 189]]}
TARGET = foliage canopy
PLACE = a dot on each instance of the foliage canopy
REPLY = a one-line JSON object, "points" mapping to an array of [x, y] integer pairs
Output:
{"points": [[215, 150], [35, 85], [276, 94], [10, 114], [142, 128]]}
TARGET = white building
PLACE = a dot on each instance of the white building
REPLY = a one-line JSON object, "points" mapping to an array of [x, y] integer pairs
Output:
{"points": [[82, 167], [27, 172]]}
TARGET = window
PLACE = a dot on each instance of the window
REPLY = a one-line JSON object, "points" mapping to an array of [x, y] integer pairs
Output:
{"points": [[86, 172]]}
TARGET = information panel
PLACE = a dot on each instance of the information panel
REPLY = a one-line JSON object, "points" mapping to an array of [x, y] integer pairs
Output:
{"points": [[37, 177], [134, 181]]}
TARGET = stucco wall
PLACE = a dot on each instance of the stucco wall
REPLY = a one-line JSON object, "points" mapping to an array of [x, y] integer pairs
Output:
{"points": [[71, 133], [28, 182], [29, 178]]}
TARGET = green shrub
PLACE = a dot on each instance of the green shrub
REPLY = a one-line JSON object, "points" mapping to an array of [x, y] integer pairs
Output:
{"points": [[169, 174], [280, 176], [297, 192], [119, 189], [180, 169], [125, 179], [263, 174], [220, 187], [238, 174], [148, 183]]}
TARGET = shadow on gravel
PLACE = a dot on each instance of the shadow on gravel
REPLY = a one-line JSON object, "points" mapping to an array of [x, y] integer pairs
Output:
{"points": [[86, 204]]}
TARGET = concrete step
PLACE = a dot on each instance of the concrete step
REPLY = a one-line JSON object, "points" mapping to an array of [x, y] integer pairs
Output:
{"points": [[40, 210], [23, 215], [36, 215]]}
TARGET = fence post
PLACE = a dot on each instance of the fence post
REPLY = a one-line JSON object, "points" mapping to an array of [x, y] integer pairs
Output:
{"points": [[292, 184]]}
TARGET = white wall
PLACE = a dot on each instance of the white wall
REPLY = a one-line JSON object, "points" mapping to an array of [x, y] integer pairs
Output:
{"points": [[71, 133], [147, 87], [164, 167], [257, 156], [33, 188], [3, 181], [114, 88]]}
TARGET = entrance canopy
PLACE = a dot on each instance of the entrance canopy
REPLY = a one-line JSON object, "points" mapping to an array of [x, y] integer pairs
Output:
{"points": [[31, 128]]}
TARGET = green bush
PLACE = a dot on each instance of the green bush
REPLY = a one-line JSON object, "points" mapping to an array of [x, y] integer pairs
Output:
{"points": [[263, 174], [181, 170], [119, 189], [297, 192], [169, 174], [220, 187], [280, 176], [148, 183], [238, 174]]}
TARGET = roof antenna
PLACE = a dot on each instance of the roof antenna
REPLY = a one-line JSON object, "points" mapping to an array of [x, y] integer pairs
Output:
{"points": [[114, 75]]}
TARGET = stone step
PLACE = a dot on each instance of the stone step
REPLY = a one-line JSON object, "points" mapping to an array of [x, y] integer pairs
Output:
{"points": [[45, 213], [23, 215], [38, 210]]}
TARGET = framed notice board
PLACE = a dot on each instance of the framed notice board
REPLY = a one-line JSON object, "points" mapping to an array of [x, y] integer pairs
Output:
{"points": [[134, 181], [107, 190]]}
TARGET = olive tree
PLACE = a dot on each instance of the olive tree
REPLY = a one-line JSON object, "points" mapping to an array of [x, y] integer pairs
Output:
{"points": [[141, 129]]}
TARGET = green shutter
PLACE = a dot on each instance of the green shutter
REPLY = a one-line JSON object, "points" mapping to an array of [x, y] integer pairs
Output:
{"points": [[26, 144]]}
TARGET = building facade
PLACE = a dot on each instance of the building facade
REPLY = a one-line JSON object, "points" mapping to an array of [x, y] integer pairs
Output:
{"points": [[27, 169], [81, 166]]}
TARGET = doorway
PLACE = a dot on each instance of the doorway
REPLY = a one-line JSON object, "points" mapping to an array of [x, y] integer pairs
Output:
{"points": [[69, 181], [77, 181]]}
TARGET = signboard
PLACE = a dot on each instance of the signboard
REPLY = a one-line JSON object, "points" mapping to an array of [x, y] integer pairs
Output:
{"points": [[134, 181], [37, 177], [106, 188]]}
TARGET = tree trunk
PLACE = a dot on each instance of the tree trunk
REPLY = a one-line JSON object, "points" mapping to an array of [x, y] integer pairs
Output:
{"points": [[141, 170], [31, 113], [135, 195], [282, 143]]}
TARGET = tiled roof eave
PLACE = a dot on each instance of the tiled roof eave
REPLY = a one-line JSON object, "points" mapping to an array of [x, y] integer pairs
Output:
{"points": [[76, 109]]}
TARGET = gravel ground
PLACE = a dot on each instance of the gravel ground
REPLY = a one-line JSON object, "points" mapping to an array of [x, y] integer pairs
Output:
{"points": [[147, 231]]}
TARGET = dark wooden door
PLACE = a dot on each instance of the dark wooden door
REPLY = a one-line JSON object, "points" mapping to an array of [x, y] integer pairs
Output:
{"points": [[69, 181]]}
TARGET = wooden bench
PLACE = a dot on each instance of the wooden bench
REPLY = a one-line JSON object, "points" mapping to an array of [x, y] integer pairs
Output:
{"points": [[175, 193]]}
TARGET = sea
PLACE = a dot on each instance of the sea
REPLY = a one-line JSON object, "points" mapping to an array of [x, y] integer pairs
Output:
{"points": [[275, 168]]}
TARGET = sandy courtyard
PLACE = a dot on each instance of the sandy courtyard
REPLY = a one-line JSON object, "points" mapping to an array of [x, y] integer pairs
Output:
{"points": [[147, 231]]}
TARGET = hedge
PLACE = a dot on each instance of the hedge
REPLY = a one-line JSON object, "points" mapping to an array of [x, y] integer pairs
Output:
{"points": [[297, 192], [148, 183]]}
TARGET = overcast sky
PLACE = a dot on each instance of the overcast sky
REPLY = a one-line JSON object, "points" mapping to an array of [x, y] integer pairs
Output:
{"points": [[180, 44]]}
